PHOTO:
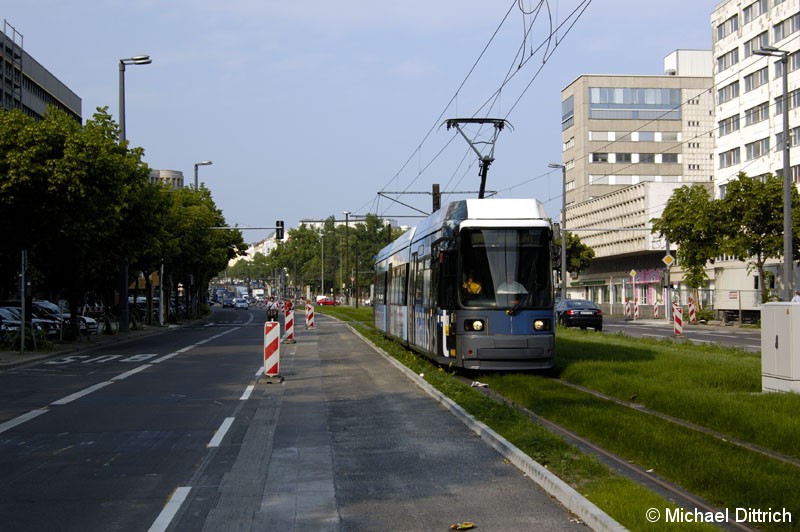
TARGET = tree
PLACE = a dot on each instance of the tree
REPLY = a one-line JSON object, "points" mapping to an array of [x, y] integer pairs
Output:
{"points": [[579, 255], [752, 221], [691, 220]]}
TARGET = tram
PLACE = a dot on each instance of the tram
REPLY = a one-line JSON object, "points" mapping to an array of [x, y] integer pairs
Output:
{"points": [[472, 286]]}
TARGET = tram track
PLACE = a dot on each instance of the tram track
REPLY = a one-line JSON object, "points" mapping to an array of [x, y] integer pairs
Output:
{"points": [[624, 467]]}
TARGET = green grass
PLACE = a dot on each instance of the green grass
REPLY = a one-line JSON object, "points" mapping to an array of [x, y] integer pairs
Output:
{"points": [[710, 386]]}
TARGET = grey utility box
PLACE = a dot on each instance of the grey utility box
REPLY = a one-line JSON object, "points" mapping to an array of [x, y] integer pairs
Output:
{"points": [[780, 347]]}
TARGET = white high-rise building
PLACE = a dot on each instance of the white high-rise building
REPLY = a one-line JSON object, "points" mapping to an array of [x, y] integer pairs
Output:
{"points": [[749, 111]]}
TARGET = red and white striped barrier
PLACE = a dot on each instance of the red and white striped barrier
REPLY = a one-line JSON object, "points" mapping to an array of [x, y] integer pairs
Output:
{"points": [[288, 323], [692, 315], [627, 308], [655, 310], [677, 314], [309, 315], [272, 349], [636, 308]]}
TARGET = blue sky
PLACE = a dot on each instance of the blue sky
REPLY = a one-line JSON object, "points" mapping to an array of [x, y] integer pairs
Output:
{"points": [[309, 109]]}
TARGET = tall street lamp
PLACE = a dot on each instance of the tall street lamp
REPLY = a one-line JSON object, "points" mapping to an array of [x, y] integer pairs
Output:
{"points": [[563, 228], [787, 172], [124, 316], [201, 163], [346, 265]]}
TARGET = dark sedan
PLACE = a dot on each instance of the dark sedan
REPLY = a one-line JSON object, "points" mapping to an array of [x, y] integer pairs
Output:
{"points": [[579, 313]]}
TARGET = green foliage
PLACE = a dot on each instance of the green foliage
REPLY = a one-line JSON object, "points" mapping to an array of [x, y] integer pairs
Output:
{"points": [[746, 223], [302, 253], [579, 255], [81, 204], [690, 221]]}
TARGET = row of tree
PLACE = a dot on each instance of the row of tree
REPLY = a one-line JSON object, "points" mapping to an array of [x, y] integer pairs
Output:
{"points": [[341, 256], [746, 223], [81, 204]]}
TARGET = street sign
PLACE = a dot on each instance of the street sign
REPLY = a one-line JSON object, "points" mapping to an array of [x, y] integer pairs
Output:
{"points": [[632, 273], [668, 259]]}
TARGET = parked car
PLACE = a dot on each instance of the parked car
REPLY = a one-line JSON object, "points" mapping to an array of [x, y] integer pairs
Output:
{"points": [[49, 310], [327, 301], [240, 302], [227, 302], [11, 317], [579, 313]]}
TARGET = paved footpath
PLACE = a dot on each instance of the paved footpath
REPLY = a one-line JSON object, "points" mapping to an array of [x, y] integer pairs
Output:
{"points": [[349, 442]]}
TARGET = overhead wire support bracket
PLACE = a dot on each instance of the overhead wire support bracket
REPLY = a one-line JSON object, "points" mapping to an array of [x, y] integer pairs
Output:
{"points": [[485, 160]]}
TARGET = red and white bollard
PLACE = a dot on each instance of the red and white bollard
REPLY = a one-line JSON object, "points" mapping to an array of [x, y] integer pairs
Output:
{"points": [[636, 308], [692, 315], [627, 308], [272, 349], [288, 338], [655, 310], [309, 315], [677, 314]]}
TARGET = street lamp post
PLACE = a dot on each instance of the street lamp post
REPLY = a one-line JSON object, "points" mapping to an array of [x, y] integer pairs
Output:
{"points": [[322, 264], [124, 316], [563, 228], [788, 274], [201, 163], [346, 265]]}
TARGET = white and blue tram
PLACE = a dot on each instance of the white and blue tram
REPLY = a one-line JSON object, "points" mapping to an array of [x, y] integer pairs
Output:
{"points": [[472, 286]]}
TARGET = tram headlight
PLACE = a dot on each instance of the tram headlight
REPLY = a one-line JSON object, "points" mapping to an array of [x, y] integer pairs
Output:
{"points": [[541, 325], [474, 325]]}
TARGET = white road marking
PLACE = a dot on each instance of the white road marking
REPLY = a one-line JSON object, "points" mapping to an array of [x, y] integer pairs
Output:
{"points": [[166, 516], [221, 431], [19, 420]]}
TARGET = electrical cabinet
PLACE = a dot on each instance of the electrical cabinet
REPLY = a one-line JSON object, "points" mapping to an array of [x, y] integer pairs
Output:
{"points": [[780, 347]]}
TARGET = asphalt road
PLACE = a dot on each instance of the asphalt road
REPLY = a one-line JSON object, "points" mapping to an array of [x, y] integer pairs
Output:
{"points": [[179, 432], [747, 339]]}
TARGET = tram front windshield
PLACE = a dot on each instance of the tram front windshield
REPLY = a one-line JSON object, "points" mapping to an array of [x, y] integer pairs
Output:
{"points": [[506, 268]]}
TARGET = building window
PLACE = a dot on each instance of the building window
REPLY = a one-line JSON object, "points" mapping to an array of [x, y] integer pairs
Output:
{"points": [[647, 158], [756, 114], [785, 28], [756, 79], [616, 103], [622, 157], [569, 144], [727, 60], [754, 10], [670, 136], [647, 136], [729, 158], [794, 137], [669, 158], [567, 113], [728, 92], [759, 41], [794, 102], [599, 157], [756, 149], [729, 26], [729, 125]]}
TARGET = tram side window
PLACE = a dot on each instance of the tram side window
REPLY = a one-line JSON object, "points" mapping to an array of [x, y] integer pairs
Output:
{"points": [[380, 288], [397, 285]]}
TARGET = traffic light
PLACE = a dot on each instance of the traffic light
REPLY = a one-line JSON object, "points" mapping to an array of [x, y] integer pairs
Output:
{"points": [[279, 230]]}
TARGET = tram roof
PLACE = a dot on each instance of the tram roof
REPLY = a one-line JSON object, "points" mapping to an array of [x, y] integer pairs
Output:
{"points": [[492, 212]]}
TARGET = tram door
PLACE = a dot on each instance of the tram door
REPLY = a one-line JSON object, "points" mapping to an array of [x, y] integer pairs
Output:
{"points": [[413, 297]]}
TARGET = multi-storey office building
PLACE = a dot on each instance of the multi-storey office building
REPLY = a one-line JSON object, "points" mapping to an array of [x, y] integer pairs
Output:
{"points": [[749, 111], [27, 85], [628, 142]]}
